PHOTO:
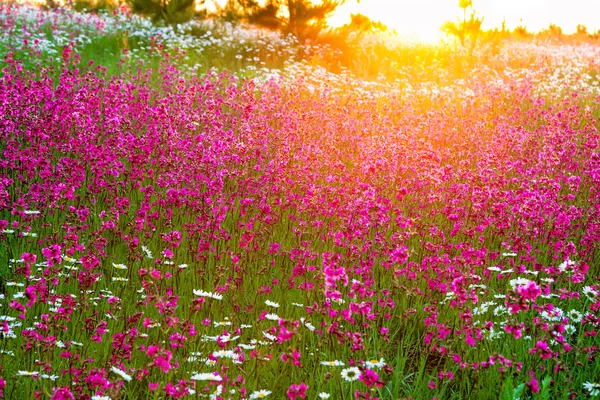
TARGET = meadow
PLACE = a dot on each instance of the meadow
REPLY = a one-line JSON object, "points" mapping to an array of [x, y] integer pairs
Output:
{"points": [[212, 211]]}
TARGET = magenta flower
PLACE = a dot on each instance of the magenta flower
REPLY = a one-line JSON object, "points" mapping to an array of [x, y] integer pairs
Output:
{"points": [[52, 254], [530, 291], [297, 391]]}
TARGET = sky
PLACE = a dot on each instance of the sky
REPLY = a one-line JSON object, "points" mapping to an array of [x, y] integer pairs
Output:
{"points": [[424, 17]]}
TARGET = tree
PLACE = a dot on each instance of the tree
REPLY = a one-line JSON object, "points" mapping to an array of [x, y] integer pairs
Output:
{"points": [[171, 11], [302, 18], [581, 30], [467, 30]]}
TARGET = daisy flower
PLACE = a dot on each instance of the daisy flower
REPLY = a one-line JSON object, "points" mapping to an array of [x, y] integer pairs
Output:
{"points": [[147, 251], [272, 317], [570, 329], [120, 266], [215, 395], [335, 363], [225, 354], [259, 394], [519, 282], [575, 316], [271, 304], [350, 374], [593, 389], [590, 293], [27, 373], [202, 293], [121, 373], [324, 395], [206, 376], [555, 315], [375, 364]]}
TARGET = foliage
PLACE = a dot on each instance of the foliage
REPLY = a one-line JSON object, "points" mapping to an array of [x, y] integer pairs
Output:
{"points": [[170, 11], [467, 30], [304, 19]]}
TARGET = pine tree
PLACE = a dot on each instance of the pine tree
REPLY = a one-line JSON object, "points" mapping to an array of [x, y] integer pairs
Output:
{"points": [[302, 18]]}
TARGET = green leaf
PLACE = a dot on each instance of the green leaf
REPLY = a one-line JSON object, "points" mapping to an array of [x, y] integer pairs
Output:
{"points": [[518, 391], [507, 390], [545, 392]]}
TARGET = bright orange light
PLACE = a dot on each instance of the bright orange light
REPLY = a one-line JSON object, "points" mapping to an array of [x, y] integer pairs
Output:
{"points": [[423, 18]]}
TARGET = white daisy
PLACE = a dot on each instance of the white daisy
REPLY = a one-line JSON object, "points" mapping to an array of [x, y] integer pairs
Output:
{"points": [[590, 293], [225, 354], [27, 373], [563, 267], [271, 304], [147, 251], [575, 316], [324, 395], [519, 282], [335, 363], [206, 376], [375, 364], [121, 373], [259, 394], [593, 389], [570, 329], [120, 266], [202, 293], [555, 315], [350, 374]]}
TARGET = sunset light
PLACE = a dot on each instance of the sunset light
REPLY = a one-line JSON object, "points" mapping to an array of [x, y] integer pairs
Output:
{"points": [[423, 18]]}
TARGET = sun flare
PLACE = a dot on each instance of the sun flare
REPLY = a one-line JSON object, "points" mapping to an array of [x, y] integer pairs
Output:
{"points": [[423, 18]]}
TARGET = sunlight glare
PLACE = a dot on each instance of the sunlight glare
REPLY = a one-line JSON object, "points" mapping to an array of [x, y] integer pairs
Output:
{"points": [[423, 18]]}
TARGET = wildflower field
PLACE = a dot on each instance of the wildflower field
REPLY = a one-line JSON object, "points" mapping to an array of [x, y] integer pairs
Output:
{"points": [[213, 212]]}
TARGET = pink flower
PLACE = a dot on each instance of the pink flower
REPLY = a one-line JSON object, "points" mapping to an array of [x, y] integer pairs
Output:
{"points": [[534, 385], [62, 393], [29, 258], [530, 291], [52, 254], [370, 378], [296, 391], [469, 340]]}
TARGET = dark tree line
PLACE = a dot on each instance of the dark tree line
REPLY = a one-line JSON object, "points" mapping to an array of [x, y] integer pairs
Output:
{"points": [[302, 18]]}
